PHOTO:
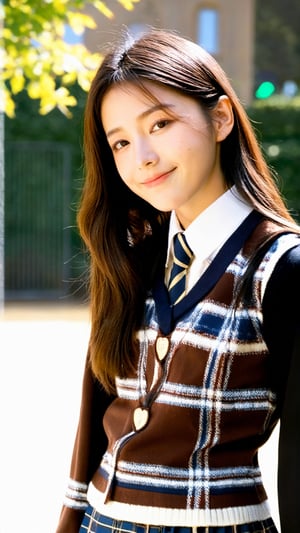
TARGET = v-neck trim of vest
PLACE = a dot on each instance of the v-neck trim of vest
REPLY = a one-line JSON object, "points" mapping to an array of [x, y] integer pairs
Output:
{"points": [[168, 315]]}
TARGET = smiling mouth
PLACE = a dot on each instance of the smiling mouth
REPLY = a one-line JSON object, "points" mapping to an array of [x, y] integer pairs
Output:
{"points": [[155, 180]]}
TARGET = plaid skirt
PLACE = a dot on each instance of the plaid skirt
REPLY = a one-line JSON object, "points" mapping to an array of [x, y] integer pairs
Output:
{"points": [[95, 522]]}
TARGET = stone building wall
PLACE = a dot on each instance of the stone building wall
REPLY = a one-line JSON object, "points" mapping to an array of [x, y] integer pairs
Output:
{"points": [[232, 38]]}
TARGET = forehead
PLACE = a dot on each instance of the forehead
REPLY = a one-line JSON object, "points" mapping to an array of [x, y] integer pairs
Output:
{"points": [[129, 98], [147, 91]]}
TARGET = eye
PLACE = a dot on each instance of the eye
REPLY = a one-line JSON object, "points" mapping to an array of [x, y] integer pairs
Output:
{"points": [[160, 124], [118, 145]]}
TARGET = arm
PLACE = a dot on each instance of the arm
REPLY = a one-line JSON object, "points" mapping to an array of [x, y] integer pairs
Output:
{"points": [[90, 444], [289, 448], [282, 333]]}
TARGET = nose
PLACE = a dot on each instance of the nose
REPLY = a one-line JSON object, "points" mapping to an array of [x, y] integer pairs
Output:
{"points": [[146, 154]]}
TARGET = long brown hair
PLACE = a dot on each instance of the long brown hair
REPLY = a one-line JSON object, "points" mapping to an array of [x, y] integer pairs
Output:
{"points": [[126, 236]]}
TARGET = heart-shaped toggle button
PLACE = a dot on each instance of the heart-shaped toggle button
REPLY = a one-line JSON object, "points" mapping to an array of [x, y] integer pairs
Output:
{"points": [[162, 347], [140, 418]]}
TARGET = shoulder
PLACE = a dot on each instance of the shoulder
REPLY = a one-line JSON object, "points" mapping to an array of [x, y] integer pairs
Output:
{"points": [[286, 273], [282, 290], [283, 285]]}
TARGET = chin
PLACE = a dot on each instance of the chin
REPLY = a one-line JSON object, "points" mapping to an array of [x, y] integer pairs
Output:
{"points": [[163, 209]]}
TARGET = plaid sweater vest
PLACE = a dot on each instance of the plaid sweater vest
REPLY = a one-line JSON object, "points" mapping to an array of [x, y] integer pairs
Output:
{"points": [[205, 405]]}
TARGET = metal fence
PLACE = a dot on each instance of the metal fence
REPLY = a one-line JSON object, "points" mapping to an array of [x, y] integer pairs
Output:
{"points": [[37, 219]]}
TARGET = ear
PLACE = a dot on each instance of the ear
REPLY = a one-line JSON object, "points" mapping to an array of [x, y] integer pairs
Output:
{"points": [[223, 119]]}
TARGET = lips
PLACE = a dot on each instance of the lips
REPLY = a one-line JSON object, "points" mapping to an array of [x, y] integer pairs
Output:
{"points": [[158, 178]]}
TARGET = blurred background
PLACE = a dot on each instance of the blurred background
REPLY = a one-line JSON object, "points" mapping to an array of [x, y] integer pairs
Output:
{"points": [[257, 43], [50, 52]]}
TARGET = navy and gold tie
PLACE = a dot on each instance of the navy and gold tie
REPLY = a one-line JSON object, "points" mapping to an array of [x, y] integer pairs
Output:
{"points": [[182, 259]]}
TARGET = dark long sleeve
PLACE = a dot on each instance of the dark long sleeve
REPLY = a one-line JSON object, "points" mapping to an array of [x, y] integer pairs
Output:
{"points": [[282, 333]]}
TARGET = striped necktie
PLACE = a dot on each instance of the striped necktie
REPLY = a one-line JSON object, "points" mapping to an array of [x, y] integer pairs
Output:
{"points": [[182, 259]]}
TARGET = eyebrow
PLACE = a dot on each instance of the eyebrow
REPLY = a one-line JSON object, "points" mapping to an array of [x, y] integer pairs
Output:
{"points": [[143, 115]]}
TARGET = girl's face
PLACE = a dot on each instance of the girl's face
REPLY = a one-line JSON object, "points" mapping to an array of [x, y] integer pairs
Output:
{"points": [[165, 148]]}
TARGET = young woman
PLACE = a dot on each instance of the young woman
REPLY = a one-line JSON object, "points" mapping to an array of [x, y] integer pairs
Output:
{"points": [[186, 374]]}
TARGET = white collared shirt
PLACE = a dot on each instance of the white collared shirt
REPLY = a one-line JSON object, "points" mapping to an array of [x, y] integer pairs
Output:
{"points": [[208, 232]]}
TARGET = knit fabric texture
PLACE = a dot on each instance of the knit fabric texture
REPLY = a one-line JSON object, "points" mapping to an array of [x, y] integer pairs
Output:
{"points": [[210, 406]]}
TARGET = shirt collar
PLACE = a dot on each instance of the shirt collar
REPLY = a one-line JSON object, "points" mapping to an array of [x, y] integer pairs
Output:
{"points": [[212, 227]]}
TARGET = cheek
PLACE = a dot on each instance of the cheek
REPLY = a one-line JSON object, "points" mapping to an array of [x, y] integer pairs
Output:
{"points": [[189, 141], [126, 176], [122, 168]]}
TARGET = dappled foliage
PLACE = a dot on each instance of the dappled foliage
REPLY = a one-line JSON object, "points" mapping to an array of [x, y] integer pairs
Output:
{"points": [[277, 41], [36, 56], [277, 123]]}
